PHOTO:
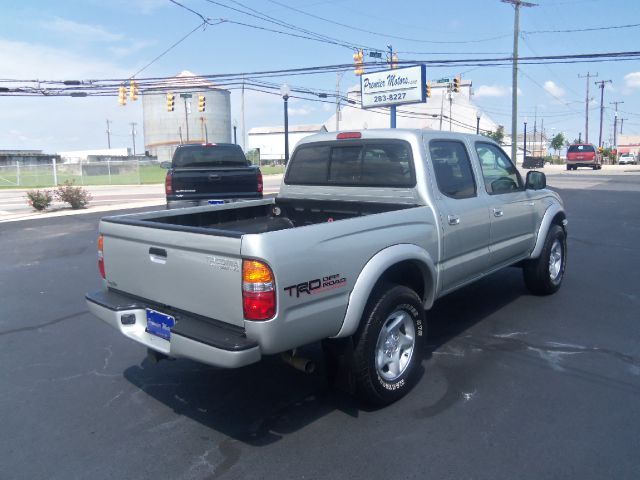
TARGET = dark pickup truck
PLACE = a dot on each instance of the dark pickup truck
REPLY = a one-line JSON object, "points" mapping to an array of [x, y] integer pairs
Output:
{"points": [[206, 174]]}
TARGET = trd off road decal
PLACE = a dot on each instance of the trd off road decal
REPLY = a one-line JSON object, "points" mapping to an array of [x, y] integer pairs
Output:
{"points": [[317, 285]]}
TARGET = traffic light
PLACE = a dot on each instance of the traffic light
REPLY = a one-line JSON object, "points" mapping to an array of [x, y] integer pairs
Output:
{"points": [[201, 103], [456, 84], [133, 91], [429, 89], [358, 59], [122, 96], [171, 102]]}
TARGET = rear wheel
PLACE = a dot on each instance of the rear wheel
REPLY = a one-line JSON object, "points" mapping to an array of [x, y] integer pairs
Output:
{"points": [[388, 347], [544, 275]]}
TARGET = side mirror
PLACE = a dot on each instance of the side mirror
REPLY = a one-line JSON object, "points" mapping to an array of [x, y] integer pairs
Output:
{"points": [[536, 181], [165, 165]]}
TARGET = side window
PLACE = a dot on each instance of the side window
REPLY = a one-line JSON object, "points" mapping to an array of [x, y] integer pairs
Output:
{"points": [[452, 168], [500, 175]]}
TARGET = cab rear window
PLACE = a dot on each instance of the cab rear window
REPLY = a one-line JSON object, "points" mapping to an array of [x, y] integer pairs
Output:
{"points": [[198, 156], [581, 149], [353, 163]]}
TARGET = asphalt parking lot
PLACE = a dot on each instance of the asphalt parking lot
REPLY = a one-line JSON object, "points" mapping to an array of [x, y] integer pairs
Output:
{"points": [[516, 386]]}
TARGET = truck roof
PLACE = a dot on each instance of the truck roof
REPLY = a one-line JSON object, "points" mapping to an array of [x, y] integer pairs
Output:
{"points": [[391, 133]]}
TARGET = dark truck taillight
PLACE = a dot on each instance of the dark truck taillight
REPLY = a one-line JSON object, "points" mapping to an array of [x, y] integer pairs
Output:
{"points": [[101, 256], [260, 184], [168, 183], [258, 291]]}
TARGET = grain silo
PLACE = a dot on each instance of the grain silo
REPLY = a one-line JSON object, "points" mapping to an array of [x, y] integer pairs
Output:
{"points": [[164, 129]]}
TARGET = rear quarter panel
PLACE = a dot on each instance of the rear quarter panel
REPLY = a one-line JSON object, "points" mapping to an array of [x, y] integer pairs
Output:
{"points": [[316, 267]]}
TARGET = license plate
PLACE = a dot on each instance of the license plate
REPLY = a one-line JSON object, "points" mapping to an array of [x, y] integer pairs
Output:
{"points": [[215, 202], [159, 324]]}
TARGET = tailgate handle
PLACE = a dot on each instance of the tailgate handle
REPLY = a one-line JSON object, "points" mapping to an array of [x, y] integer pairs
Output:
{"points": [[214, 177], [158, 255]]}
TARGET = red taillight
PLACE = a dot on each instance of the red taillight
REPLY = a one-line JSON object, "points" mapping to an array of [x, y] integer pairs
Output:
{"points": [[260, 185], [347, 135], [168, 185], [258, 291], [101, 256]]}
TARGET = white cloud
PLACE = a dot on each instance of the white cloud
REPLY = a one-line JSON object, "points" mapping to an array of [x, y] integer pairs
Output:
{"points": [[30, 60], [491, 91], [80, 32], [553, 89], [632, 80], [301, 111]]}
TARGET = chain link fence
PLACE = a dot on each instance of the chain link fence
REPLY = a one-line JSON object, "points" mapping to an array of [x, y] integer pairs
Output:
{"points": [[129, 172]]}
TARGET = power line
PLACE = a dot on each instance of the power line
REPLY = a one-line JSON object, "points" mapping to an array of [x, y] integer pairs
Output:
{"points": [[110, 86], [202, 25], [577, 30], [384, 35]]}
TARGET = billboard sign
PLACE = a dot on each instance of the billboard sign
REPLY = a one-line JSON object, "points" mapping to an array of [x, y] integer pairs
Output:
{"points": [[394, 87]]}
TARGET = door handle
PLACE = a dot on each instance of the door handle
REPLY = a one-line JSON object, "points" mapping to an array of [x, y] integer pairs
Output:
{"points": [[453, 219], [497, 212], [158, 255]]}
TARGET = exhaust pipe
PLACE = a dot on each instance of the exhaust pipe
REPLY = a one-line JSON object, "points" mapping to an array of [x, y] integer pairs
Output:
{"points": [[303, 364], [154, 357]]}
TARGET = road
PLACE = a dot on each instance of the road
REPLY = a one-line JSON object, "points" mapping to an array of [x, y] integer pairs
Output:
{"points": [[516, 386]]}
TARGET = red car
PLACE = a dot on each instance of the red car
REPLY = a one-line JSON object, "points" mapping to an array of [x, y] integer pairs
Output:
{"points": [[583, 155]]}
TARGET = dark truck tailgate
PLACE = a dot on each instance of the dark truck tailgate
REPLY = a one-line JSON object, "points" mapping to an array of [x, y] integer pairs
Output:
{"points": [[224, 182]]}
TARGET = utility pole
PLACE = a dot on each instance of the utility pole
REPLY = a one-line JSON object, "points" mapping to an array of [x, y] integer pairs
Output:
{"points": [[514, 80], [338, 77], [133, 136], [108, 134], [622, 123], [450, 103], [187, 111], [442, 108], [601, 83], [535, 121], [586, 112], [243, 124], [392, 108], [615, 124], [541, 137]]}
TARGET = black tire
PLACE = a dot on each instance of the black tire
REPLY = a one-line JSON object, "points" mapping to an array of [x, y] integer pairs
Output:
{"points": [[392, 304], [543, 276], [568, 168]]}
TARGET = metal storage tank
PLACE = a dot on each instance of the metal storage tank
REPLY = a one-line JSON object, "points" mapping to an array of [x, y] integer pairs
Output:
{"points": [[164, 130]]}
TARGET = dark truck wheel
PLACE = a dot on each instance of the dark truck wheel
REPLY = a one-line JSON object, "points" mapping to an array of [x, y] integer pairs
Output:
{"points": [[543, 276], [388, 346]]}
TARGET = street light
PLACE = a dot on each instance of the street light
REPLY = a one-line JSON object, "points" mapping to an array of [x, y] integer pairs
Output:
{"points": [[524, 156], [235, 128], [285, 91], [478, 115]]}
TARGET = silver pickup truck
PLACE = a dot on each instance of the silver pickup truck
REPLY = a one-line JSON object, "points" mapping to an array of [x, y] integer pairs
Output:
{"points": [[369, 229]]}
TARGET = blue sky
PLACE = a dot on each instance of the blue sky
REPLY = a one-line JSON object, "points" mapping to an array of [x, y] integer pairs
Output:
{"points": [[93, 39]]}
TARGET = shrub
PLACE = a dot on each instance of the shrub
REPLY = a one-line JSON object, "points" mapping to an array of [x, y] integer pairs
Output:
{"points": [[39, 199], [77, 197]]}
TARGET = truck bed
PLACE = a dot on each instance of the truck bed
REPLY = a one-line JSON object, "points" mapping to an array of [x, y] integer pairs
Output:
{"points": [[239, 219]]}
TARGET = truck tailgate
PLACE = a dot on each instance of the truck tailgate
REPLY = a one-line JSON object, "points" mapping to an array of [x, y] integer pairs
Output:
{"points": [[214, 182], [188, 271]]}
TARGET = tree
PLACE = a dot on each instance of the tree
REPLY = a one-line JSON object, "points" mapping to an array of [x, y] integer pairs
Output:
{"points": [[497, 136], [558, 142]]}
